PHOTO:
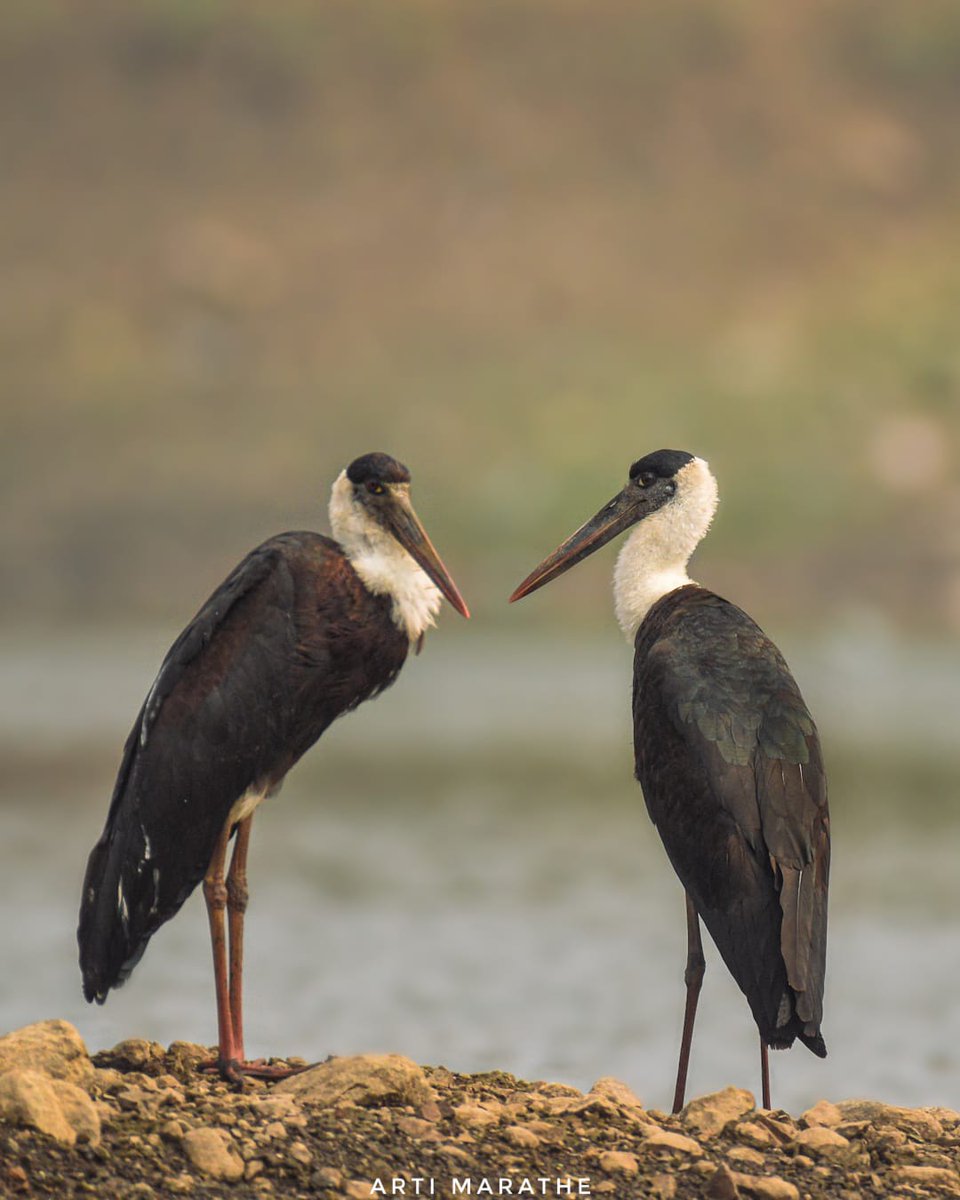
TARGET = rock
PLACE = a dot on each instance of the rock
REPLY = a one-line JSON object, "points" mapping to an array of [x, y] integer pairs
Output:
{"points": [[30, 1098], [754, 1134], [328, 1177], [52, 1047], [134, 1054], [940, 1180], [80, 1111], [619, 1162], [708, 1115], [358, 1189], [747, 1155], [765, 1187], [822, 1142], [663, 1187], [476, 1115], [823, 1113], [187, 1056], [518, 1135], [300, 1152], [363, 1079], [417, 1127], [212, 1151], [721, 1185], [666, 1139], [618, 1092], [253, 1168], [920, 1121]]}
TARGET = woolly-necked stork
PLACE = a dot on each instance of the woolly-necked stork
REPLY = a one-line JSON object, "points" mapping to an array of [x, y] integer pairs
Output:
{"points": [[303, 630], [726, 753]]}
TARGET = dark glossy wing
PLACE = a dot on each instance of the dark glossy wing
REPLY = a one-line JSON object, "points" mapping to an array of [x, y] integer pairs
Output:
{"points": [[721, 726], [281, 648]]}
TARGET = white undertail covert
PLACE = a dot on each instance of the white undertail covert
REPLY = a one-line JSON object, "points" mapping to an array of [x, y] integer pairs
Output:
{"points": [[654, 557], [382, 563]]}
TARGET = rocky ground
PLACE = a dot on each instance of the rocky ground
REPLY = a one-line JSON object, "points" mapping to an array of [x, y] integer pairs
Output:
{"points": [[142, 1122]]}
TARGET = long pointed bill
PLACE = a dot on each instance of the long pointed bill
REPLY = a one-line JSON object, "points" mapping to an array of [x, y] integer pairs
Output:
{"points": [[405, 526], [612, 519]]}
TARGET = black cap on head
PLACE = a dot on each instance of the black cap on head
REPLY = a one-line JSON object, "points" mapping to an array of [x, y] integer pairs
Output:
{"points": [[662, 463], [377, 466]]}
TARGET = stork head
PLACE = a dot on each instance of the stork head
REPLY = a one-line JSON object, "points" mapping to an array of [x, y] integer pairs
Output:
{"points": [[675, 496], [373, 520]]}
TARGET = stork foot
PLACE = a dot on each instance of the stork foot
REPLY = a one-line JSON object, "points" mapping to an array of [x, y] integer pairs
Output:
{"points": [[232, 1071]]}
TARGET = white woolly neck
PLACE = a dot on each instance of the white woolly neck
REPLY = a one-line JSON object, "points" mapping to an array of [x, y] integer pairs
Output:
{"points": [[383, 565], [653, 560]]}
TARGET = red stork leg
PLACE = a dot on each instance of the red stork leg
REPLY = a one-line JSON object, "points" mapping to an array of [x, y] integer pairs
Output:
{"points": [[237, 897], [693, 978], [215, 894]]}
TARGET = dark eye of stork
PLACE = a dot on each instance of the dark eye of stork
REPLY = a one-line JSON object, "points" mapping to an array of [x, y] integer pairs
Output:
{"points": [[375, 488]]}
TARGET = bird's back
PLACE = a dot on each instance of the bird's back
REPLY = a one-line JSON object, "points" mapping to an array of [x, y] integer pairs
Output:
{"points": [[729, 761], [287, 643]]}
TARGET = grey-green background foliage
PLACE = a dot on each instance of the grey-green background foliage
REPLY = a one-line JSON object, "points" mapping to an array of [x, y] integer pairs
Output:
{"points": [[516, 245]]}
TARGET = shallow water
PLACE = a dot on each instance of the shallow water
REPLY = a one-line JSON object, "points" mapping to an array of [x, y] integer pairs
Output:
{"points": [[475, 882]]}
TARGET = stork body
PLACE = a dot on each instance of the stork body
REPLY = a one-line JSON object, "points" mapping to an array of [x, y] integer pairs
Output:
{"points": [[726, 753], [302, 631]]}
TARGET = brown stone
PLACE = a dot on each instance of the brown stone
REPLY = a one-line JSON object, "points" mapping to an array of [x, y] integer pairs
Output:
{"points": [[722, 1185], [941, 1180], [519, 1135], [80, 1111], [709, 1115], [666, 1139], [823, 1113], [53, 1047], [663, 1187], [213, 1152], [920, 1121], [745, 1155], [617, 1091], [30, 1098], [478, 1115], [363, 1079], [822, 1142], [766, 1187], [619, 1162]]}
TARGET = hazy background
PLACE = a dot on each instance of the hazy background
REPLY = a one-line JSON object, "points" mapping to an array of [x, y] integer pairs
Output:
{"points": [[516, 245]]}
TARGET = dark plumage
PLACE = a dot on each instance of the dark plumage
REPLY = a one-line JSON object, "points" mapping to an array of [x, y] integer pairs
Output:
{"points": [[229, 712], [726, 753], [729, 761], [302, 631]]}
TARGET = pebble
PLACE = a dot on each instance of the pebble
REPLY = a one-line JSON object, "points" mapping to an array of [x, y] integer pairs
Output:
{"points": [[663, 1187], [746, 1154], [300, 1153], [941, 1180], [711, 1114], [822, 1141], [617, 1091], [665, 1139], [823, 1113], [722, 1185], [476, 1114], [766, 1187], [518, 1135], [212, 1151], [619, 1162]]}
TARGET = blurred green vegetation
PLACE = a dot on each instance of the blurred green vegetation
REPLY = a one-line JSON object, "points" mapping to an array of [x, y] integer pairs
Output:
{"points": [[515, 244]]}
